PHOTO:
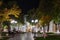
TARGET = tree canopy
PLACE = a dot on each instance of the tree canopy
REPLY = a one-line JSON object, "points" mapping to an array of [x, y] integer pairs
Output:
{"points": [[48, 10], [5, 12]]}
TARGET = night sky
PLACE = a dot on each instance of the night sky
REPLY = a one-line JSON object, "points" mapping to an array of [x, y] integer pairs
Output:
{"points": [[28, 4]]}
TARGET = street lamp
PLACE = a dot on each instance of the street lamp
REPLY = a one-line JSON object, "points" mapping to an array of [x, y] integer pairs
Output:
{"points": [[35, 21], [13, 21], [14, 25], [32, 21]]}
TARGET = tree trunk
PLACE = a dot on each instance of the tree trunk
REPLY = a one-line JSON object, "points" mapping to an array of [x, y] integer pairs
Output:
{"points": [[0, 30], [8, 29], [48, 28], [55, 27], [43, 29], [44, 33]]}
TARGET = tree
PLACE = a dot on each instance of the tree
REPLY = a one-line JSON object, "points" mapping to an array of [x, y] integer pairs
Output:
{"points": [[56, 9], [50, 8], [44, 12], [31, 14], [6, 12], [47, 10]]}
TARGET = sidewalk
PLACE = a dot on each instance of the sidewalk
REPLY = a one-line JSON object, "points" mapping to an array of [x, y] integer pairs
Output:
{"points": [[25, 36]]}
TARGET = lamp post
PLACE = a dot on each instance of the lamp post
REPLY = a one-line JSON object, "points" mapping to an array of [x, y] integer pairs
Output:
{"points": [[35, 28], [14, 24], [34, 21]]}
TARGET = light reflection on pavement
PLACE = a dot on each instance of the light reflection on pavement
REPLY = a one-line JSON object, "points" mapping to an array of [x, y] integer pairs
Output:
{"points": [[25, 36]]}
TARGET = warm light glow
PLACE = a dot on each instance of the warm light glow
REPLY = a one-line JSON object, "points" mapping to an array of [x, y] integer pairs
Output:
{"points": [[13, 21], [1, 3], [28, 23], [36, 20], [32, 21]]}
